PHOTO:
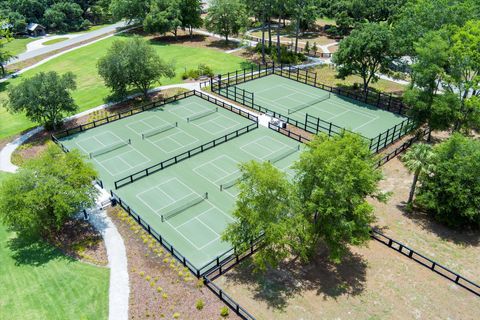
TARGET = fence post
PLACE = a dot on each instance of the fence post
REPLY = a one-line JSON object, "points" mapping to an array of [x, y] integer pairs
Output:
{"points": [[236, 76], [298, 74], [219, 82], [315, 81]]}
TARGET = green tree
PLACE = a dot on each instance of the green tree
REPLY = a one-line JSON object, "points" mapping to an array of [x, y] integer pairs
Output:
{"points": [[139, 66], [267, 205], [418, 160], [451, 192], [5, 37], [424, 96], [131, 10], [304, 12], [417, 18], [45, 98], [46, 192], [64, 16], [164, 16], [226, 17], [334, 177], [464, 70], [190, 14], [366, 52]]}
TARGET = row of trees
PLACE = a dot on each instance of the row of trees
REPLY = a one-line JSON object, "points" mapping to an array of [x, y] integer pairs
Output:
{"points": [[160, 16], [56, 15], [437, 41]]}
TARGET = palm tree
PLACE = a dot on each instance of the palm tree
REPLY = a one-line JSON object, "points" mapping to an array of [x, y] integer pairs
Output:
{"points": [[418, 160]]}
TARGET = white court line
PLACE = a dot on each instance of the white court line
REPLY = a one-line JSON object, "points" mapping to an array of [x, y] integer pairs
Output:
{"points": [[264, 145], [351, 108], [170, 137], [215, 183], [366, 123], [120, 157], [159, 185], [201, 124], [182, 235], [186, 107]]}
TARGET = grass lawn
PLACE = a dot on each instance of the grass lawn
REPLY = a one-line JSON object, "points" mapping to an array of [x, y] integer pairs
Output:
{"points": [[18, 45], [326, 75], [3, 176], [91, 90], [38, 282], [50, 42]]}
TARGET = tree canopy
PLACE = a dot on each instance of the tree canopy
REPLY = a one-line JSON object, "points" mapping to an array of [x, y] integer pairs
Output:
{"points": [[46, 192], [325, 204], [366, 52], [226, 17], [138, 66], [451, 191], [5, 37], [45, 98], [267, 205], [60, 15]]}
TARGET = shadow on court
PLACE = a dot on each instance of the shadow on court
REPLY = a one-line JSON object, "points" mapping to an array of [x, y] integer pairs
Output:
{"points": [[277, 286]]}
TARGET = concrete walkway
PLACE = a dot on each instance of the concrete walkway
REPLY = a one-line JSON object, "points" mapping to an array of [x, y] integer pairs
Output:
{"points": [[73, 41], [39, 44], [119, 290]]}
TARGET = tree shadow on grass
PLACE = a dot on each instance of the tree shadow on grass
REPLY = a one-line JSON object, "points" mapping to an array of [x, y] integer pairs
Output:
{"points": [[32, 252], [277, 286], [463, 237]]}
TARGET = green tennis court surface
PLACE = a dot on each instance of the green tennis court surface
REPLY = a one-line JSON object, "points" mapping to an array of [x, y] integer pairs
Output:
{"points": [[123, 147], [294, 100], [192, 221], [190, 202]]}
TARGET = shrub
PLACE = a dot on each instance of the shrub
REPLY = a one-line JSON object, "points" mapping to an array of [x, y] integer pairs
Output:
{"points": [[200, 304], [176, 315], [159, 289], [224, 312]]}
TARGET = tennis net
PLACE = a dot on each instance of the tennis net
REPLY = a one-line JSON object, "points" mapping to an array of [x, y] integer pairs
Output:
{"points": [[110, 148], [231, 180], [309, 104], [183, 205], [159, 130], [284, 154], [201, 115]]}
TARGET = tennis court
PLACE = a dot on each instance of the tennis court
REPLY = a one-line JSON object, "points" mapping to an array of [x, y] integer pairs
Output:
{"points": [[294, 100], [123, 147], [190, 203]]}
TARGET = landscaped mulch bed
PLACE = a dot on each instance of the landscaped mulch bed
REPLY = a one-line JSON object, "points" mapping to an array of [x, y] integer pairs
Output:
{"points": [[160, 287], [80, 240]]}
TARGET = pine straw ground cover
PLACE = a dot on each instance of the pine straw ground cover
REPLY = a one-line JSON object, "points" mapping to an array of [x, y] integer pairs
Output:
{"points": [[160, 287]]}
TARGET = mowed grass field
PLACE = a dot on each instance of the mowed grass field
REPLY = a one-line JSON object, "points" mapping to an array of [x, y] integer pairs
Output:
{"points": [[18, 45], [38, 282], [91, 90]]}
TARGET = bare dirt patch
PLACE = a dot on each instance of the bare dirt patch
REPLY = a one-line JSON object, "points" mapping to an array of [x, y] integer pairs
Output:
{"points": [[458, 250], [161, 288], [195, 40], [373, 282]]}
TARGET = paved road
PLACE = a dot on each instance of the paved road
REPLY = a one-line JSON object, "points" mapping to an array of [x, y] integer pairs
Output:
{"points": [[66, 43]]}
